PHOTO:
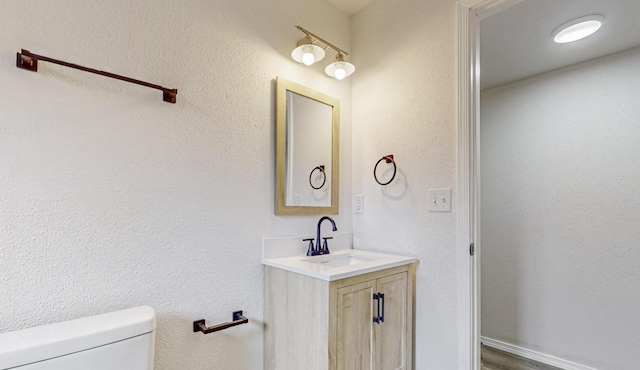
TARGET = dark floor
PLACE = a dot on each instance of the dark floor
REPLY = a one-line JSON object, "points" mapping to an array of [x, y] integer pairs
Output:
{"points": [[493, 359]]}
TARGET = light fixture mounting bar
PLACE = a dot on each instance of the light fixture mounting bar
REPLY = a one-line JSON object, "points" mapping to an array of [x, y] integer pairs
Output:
{"points": [[327, 43]]}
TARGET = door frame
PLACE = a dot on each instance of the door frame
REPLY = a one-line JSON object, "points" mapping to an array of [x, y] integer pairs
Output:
{"points": [[469, 15]]}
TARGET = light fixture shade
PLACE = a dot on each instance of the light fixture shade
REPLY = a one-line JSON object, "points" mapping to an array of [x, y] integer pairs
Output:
{"points": [[577, 29], [307, 52], [340, 69]]}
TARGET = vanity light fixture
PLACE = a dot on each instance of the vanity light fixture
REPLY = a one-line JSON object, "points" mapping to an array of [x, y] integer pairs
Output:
{"points": [[578, 29], [308, 52], [340, 69]]}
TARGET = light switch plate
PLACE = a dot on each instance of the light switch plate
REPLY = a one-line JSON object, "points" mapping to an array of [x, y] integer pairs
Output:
{"points": [[440, 200]]}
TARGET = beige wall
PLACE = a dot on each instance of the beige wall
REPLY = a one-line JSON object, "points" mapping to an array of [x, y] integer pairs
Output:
{"points": [[404, 103], [111, 198]]}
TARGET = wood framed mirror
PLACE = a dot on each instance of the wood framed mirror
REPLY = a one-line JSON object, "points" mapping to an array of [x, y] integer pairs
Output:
{"points": [[307, 151]]}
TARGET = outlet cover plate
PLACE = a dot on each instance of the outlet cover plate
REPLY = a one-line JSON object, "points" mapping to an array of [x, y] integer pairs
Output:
{"points": [[359, 206], [440, 200]]}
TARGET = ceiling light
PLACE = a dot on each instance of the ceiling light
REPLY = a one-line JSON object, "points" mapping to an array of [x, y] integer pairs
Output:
{"points": [[340, 69], [308, 52], [577, 29]]}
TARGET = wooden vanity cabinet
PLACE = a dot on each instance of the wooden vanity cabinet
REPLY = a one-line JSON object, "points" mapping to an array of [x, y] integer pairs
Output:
{"points": [[314, 324]]}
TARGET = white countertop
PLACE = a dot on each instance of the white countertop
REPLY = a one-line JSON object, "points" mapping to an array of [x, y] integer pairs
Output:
{"points": [[319, 266]]}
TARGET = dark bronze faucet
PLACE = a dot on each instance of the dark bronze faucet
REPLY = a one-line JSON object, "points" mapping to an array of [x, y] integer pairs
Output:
{"points": [[324, 248]]}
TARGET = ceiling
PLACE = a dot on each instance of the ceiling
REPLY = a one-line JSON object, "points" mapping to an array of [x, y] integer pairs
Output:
{"points": [[517, 43], [350, 7]]}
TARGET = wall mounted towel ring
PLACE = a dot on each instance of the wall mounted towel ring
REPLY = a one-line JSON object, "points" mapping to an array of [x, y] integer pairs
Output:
{"points": [[388, 159], [324, 177]]}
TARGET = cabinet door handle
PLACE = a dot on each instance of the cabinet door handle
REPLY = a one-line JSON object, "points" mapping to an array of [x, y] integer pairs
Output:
{"points": [[376, 318], [381, 296]]}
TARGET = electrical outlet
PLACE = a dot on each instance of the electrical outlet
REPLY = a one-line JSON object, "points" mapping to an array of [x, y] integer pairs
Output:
{"points": [[439, 200], [297, 200], [359, 200]]}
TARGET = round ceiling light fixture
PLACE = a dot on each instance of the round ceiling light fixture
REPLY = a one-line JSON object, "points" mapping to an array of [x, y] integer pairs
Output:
{"points": [[578, 29]]}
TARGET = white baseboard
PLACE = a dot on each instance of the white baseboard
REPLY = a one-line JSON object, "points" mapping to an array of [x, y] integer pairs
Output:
{"points": [[533, 355]]}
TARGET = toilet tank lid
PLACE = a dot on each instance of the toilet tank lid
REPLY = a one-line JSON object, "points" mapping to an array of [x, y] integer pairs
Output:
{"points": [[54, 340]]}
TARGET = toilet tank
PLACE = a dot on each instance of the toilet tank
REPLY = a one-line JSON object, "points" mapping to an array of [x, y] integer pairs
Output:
{"points": [[122, 340]]}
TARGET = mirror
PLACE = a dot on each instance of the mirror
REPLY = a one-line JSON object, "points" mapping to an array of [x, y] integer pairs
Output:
{"points": [[307, 155]]}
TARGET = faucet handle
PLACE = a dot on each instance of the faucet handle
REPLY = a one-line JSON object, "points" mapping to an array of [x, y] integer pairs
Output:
{"points": [[311, 247], [325, 246]]}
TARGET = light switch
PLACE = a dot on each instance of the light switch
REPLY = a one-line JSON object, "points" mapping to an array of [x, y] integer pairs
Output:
{"points": [[439, 200]]}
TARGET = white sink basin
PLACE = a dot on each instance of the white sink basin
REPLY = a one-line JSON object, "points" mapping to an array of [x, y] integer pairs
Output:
{"points": [[340, 260], [339, 264]]}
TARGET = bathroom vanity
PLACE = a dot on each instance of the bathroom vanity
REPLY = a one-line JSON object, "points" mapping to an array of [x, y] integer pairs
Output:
{"points": [[348, 310]]}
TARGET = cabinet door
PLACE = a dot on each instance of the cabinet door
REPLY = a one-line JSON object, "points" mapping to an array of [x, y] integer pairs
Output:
{"points": [[354, 315], [391, 335]]}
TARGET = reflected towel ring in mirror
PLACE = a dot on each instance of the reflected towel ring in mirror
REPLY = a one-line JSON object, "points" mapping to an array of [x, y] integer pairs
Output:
{"points": [[388, 159], [324, 177]]}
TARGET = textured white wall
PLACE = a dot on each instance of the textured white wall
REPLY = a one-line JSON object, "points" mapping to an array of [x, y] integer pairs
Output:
{"points": [[560, 213], [404, 94], [111, 198]]}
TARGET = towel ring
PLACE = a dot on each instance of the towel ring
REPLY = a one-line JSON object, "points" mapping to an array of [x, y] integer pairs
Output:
{"points": [[388, 159], [324, 177]]}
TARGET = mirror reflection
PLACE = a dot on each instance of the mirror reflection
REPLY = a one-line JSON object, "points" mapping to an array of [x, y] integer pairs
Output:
{"points": [[307, 151]]}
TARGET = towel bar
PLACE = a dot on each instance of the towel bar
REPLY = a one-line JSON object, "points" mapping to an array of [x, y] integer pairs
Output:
{"points": [[237, 318]]}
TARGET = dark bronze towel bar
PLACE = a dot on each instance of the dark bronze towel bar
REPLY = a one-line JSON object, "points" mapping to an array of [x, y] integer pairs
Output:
{"points": [[29, 61], [238, 319]]}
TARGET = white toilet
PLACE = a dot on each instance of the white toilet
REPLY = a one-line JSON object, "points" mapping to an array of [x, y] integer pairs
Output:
{"points": [[121, 340]]}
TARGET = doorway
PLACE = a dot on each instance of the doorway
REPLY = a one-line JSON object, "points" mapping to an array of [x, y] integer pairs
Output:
{"points": [[588, 139]]}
